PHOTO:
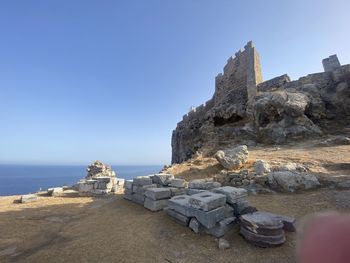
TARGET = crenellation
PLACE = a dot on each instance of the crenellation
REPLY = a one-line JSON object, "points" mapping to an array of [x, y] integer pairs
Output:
{"points": [[274, 83], [249, 45], [243, 70], [331, 63], [283, 110]]}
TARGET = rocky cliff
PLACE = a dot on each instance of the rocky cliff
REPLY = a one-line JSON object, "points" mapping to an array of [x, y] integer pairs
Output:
{"points": [[244, 109]]}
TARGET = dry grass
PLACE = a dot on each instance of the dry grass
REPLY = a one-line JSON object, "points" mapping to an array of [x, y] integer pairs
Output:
{"points": [[115, 230], [75, 229]]}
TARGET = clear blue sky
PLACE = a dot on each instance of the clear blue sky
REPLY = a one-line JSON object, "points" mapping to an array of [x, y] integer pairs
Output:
{"points": [[109, 80]]}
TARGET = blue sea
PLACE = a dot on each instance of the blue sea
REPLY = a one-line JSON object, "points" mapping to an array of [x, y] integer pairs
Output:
{"points": [[23, 179]]}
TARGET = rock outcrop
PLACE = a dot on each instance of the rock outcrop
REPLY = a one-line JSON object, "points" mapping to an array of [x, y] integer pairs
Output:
{"points": [[246, 110], [292, 181]]}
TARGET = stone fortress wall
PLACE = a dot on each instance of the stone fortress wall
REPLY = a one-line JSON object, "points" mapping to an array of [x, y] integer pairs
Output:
{"points": [[244, 107]]}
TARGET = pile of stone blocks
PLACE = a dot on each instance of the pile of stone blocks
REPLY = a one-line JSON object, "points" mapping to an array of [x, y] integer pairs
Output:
{"points": [[99, 185], [139, 186], [201, 185], [100, 180], [237, 198], [157, 198], [153, 191], [206, 211]]}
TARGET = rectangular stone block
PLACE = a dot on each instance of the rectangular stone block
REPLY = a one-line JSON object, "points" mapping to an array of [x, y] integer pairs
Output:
{"points": [[158, 193], [142, 189], [103, 185], [178, 183], [128, 197], [192, 191], [90, 181], [139, 199], [204, 184], [162, 179], [289, 223], [28, 198], [127, 191], [99, 191], [177, 191], [239, 206], [207, 201], [85, 187], [155, 205], [56, 191], [232, 193], [222, 227], [210, 218], [181, 205], [119, 181], [105, 179], [142, 180], [128, 184], [229, 211], [177, 217]]}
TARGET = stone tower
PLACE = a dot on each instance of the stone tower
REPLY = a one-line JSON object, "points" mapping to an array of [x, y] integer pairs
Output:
{"points": [[242, 72], [331, 63]]}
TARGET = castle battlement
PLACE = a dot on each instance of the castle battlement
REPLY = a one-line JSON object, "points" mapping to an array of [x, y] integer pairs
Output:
{"points": [[243, 69], [237, 113]]}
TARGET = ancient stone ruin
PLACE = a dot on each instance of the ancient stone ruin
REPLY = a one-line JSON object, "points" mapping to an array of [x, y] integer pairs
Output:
{"points": [[247, 110], [100, 180], [204, 206]]}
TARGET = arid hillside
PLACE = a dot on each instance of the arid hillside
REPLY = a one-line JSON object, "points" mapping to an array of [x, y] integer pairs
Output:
{"points": [[111, 229]]}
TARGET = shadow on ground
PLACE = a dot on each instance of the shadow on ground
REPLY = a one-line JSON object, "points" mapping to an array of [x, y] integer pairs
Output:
{"points": [[116, 230]]}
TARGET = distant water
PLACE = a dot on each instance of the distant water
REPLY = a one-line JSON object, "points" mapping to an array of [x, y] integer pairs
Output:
{"points": [[23, 179]]}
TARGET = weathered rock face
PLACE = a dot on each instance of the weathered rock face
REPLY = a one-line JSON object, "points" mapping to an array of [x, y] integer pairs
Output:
{"points": [[98, 169], [246, 110], [261, 167], [292, 181], [280, 116]]}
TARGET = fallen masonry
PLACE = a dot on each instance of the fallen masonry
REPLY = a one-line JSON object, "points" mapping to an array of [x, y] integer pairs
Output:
{"points": [[156, 199], [28, 198], [262, 229], [206, 207], [100, 180], [153, 191]]}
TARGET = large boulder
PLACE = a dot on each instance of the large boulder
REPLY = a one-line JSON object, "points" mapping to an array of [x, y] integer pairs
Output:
{"points": [[292, 181], [261, 167], [280, 116], [337, 140], [233, 158]]}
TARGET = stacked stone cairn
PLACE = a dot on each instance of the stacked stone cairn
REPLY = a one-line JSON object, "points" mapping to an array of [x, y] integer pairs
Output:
{"points": [[100, 180], [153, 191]]}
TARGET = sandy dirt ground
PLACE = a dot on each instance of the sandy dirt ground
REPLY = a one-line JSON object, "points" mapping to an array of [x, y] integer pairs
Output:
{"points": [[111, 229]]}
